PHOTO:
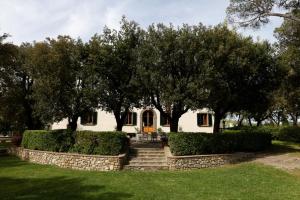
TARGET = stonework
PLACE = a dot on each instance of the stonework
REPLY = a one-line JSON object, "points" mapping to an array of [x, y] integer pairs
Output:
{"points": [[71, 160], [204, 161]]}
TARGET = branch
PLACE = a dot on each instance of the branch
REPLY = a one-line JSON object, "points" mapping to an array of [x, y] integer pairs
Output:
{"points": [[287, 16]]}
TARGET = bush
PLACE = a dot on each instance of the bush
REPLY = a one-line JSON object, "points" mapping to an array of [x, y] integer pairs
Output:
{"points": [[16, 139], [290, 134], [102, 143], [55, 140], [231, 141]]}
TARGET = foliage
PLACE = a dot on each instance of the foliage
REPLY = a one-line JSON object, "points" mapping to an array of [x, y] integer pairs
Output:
{"points": [[290, 134], [114, 56], [55, 140], [102, 143], [172, 68], [231, 141], [242, 73], [16, 110], [16, 139], [255, 13], [64, 84]]}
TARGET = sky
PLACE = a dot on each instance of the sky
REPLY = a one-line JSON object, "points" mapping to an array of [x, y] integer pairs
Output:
{"points": [[34, 20]]}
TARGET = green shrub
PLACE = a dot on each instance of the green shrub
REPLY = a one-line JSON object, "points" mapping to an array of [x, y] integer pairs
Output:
{"points": [[290, 134], [228, 142], [55, 140], [102, 143]]}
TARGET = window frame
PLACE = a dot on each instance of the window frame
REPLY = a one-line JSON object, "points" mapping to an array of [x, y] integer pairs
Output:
{"points": [[209, 120], [93, 114]]}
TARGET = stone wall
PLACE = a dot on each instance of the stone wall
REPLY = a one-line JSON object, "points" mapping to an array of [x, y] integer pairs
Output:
{"points": [[71, 160], [204, 161]]}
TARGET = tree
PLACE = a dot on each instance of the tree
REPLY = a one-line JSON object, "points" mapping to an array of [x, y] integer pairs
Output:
{"points": [[114, 56], [288, 36], [242, 73], [16, 110], [64, 84], [255, 13], [172, 69]]}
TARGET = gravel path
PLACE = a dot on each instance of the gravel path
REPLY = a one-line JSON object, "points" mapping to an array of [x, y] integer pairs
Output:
{"points": [[283, 161]]}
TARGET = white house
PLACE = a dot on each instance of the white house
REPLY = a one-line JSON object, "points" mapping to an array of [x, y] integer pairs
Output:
{"points": [[144, 120]]}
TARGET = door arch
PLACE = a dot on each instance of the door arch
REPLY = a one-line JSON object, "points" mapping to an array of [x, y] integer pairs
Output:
{"points": [[148, 121]]}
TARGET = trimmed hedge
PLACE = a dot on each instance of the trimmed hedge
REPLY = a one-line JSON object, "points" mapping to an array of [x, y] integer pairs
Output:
{"points": [[55, 140], [290, 134], [102, 143], [228, 142], [85, 142]]}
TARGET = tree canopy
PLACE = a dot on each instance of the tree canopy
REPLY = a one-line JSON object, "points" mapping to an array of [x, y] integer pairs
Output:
{"points": [[254, 13]]}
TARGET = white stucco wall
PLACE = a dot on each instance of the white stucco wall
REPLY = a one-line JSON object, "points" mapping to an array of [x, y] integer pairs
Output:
{"points": [[106, 122]]}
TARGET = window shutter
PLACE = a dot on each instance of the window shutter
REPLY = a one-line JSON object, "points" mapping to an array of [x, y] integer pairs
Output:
{"points": [[210, 119], [199, 119], [95, 115], [134, 116]]}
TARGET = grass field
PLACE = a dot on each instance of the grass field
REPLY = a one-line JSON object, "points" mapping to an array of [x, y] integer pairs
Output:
{"points": [[22, 180]]}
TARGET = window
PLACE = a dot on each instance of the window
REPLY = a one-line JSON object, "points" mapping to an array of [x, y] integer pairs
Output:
{"points": [[89, 119], [204, 119], [131, 119], [164, 121]]}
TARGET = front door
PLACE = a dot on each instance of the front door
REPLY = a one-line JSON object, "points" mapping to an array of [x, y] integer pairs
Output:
{"points": [[148, 125]]}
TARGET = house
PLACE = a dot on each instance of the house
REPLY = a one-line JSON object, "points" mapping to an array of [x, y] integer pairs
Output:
{"points": [[144, 120]]}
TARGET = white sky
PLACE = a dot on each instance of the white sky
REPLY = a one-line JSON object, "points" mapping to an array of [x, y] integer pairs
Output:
{"points": [[29, 20]]}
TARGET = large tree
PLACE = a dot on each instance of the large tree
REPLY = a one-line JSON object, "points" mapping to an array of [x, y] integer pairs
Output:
{"points": [[288, 35], [16, 100], [242, 73], [255, 13], [114, 56], [64, 84], [172, 69]]}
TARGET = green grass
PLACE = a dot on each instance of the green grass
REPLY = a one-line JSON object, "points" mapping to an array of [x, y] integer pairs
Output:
{"points": [[23, 180]]}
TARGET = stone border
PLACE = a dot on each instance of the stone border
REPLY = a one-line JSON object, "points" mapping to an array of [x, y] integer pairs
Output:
{"points": [[71, 160], [204, 161]]}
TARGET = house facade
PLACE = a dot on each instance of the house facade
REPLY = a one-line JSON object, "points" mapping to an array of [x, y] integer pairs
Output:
{"points": [[143, 120]]}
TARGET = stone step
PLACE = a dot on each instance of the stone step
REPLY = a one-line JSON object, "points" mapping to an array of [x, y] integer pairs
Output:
{"points": [[147, 149], [146, 167], [148, 154], [147, 158], [154, 163]]}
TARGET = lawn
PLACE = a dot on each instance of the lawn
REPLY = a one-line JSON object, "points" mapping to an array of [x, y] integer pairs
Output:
{"points": [[22, 180]]}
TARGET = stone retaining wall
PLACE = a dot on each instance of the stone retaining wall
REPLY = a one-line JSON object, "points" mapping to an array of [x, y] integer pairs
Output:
{"points": [[204, 161], [71, 160]]}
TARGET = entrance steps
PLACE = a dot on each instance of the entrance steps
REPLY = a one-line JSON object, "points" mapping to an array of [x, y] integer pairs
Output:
{"points": [[147, 159]]}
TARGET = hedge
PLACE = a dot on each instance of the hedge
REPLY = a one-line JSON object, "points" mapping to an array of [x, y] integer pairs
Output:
{"points": [[55, 140], [102, 143], [231, 141], [290, 134]]}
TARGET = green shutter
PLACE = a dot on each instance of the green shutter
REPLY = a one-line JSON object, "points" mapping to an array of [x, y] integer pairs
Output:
{"points": [[134, 115], [95, 115], [210, 119]]}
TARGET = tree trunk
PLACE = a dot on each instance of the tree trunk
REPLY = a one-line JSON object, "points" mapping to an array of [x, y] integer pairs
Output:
{"points": [[294, 119], [249, 120], [174, 124], [120, 118], [258, 123], [218, 118], [73, 123]]}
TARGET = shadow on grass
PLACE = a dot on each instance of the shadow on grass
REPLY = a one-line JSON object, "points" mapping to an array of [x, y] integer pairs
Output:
{"points": [[54, 188]]}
